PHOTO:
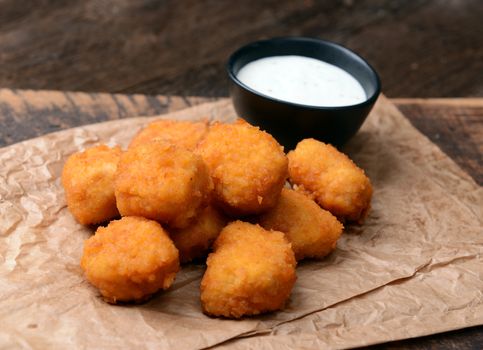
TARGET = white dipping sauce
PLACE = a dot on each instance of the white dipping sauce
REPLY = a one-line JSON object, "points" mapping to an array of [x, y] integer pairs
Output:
{"points": [[302, 80]]}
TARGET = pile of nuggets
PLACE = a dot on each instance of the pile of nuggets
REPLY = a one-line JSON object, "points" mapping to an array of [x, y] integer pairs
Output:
{"points": [[183, 191]]}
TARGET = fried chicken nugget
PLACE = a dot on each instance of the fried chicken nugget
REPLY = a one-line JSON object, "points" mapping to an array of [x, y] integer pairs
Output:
{"points": [[251, 271], [183, 134], [312, 230], [162, 182], [334, 181], [88, 180], [195, 240], [130, 259], [247, 165]]}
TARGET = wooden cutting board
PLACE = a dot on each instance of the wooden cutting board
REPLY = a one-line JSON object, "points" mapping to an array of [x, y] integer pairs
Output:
{"points": [[455, 125]]}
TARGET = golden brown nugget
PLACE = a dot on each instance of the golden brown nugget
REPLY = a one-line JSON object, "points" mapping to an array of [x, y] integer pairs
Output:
{"points": [[162, 182], [195, 240], [88, 180], [251, 271], [312, 230], [331, 178], [183, 134], [130, 259], [247, 165]]}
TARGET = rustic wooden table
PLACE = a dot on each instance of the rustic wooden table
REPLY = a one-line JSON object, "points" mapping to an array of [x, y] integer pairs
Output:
{"points": [[420, 48]]}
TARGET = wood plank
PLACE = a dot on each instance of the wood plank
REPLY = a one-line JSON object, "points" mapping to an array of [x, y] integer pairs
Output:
{"points": [[455, 125], [459, 102], [26, 114], [421, 48]]}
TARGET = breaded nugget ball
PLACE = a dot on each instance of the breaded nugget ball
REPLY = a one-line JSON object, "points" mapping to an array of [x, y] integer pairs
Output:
{"points": [[130, 259], [312, 230], [195, 240], [88, 180], [247, 165], [160, 181], [331, 178], [183, 134], [251, 271]]}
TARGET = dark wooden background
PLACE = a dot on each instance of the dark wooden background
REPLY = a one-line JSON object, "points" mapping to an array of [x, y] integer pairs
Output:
{"points": [[421, 48]]}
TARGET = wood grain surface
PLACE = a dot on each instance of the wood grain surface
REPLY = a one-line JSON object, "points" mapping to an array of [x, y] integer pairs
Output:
{"points": [[421, 48], [455, 125], [25, 114]]}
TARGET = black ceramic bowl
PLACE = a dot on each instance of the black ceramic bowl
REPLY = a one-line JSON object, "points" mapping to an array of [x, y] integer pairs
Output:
{"points": [[291, 122]]}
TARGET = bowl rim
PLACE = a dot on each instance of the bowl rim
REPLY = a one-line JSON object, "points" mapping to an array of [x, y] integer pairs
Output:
{"points": [[235, 56]]}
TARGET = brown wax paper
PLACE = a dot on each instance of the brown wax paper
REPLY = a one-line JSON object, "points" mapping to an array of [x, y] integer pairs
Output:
{"points": [[413, 268]]}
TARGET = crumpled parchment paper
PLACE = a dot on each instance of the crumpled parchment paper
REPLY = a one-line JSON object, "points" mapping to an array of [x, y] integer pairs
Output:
{"points": [[413, 268]]}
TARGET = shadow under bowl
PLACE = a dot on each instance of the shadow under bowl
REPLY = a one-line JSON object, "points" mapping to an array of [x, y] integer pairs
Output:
{"points": [[291, 122]]}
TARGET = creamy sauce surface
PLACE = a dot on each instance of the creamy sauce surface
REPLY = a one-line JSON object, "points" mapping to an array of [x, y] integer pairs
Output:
{"points": [[302, 80]]}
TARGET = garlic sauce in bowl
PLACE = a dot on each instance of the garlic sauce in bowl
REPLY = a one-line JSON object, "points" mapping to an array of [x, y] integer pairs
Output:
{"points": [[297, 88], [302, 80]]}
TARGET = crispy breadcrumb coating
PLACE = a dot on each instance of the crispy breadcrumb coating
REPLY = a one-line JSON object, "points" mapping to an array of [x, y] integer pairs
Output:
{"points": [[88, 180], [183, 134], [312, 230], [331, 178], [195, 240], [247, 165], [162, 182], [251, 271], [130, 259]]}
